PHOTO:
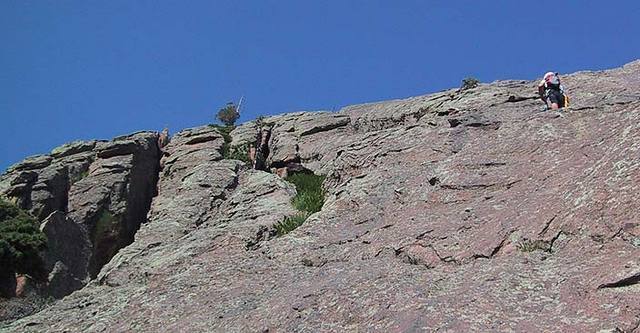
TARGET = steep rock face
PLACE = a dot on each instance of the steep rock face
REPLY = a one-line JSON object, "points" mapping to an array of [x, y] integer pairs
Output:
{"points": [[91, 198], [114, 198], [458, 211], [207, 209]]}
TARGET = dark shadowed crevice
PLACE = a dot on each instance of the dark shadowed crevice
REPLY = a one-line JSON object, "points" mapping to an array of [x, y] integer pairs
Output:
{"points": [[516, 99], [628, 281], [104, 233], [453, 122], [262, 149]]}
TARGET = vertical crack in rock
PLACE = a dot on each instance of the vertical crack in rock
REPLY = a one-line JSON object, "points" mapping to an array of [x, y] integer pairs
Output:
{"points": [[263, 234], [116, 196], [553, 241], [262, 159], [262, 149], [636, 325], [51, 191]]}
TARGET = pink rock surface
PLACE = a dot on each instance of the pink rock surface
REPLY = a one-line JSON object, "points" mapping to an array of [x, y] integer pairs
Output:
{"points": [[452, 212]]}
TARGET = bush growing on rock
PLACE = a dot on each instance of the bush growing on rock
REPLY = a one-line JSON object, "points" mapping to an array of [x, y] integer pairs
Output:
{"points": [[20, 241], [225, 131], [228, 114], [469, 83], [240, 153]]}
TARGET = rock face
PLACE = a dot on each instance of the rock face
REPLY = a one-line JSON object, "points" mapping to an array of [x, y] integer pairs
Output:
{"points": [[457, 211], [91, 198], [68, 254]]}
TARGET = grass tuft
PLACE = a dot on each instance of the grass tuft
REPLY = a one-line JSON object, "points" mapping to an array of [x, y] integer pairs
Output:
{"points": [[534, 245], [310, 197], [106, 225], [291, 222], [309, 200]]}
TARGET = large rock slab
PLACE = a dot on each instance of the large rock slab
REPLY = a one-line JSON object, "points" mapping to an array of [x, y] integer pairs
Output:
{"points": [[206, 208], [457, 211]]}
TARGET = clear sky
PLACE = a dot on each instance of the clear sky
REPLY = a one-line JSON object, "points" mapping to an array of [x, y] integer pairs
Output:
{"points": [[97, 69]]}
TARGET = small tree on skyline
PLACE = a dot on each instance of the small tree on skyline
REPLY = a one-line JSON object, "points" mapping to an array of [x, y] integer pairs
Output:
{"points": [[469, 83], [228, 115]]}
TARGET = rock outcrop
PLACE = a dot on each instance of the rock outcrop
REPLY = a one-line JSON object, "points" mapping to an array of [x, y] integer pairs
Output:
{"points": [[91, 198], [456, 211]]}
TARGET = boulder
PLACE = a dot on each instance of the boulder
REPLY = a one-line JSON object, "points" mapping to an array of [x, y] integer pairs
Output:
{"points": [[68, 254]]}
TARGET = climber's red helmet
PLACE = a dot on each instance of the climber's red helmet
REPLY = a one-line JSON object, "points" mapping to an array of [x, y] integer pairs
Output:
{"points": [[551, 78]]}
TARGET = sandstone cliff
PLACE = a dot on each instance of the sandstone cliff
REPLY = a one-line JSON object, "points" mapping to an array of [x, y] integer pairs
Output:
{"points": [[456, 211]]}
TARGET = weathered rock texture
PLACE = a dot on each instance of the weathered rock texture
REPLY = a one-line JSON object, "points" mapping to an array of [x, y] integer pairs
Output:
{"points": [[91, 198], [457, 211]]}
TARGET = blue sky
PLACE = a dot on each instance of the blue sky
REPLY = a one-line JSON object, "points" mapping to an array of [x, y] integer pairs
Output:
{"points": [[97, 69]]}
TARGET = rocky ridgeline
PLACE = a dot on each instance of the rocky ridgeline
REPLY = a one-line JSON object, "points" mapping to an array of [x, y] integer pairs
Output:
{"points": [[456, 211]]}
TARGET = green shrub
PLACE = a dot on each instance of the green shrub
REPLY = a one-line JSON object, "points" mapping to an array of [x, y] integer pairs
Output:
{"points": [[107, 238], [225, 131], [83, 174], [308, 200], [20, 240], [228, 114], [240, 153], [469, 83]]}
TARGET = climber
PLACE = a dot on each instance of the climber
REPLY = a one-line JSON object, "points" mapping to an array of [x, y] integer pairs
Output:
{"points": [[552, 92]]}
